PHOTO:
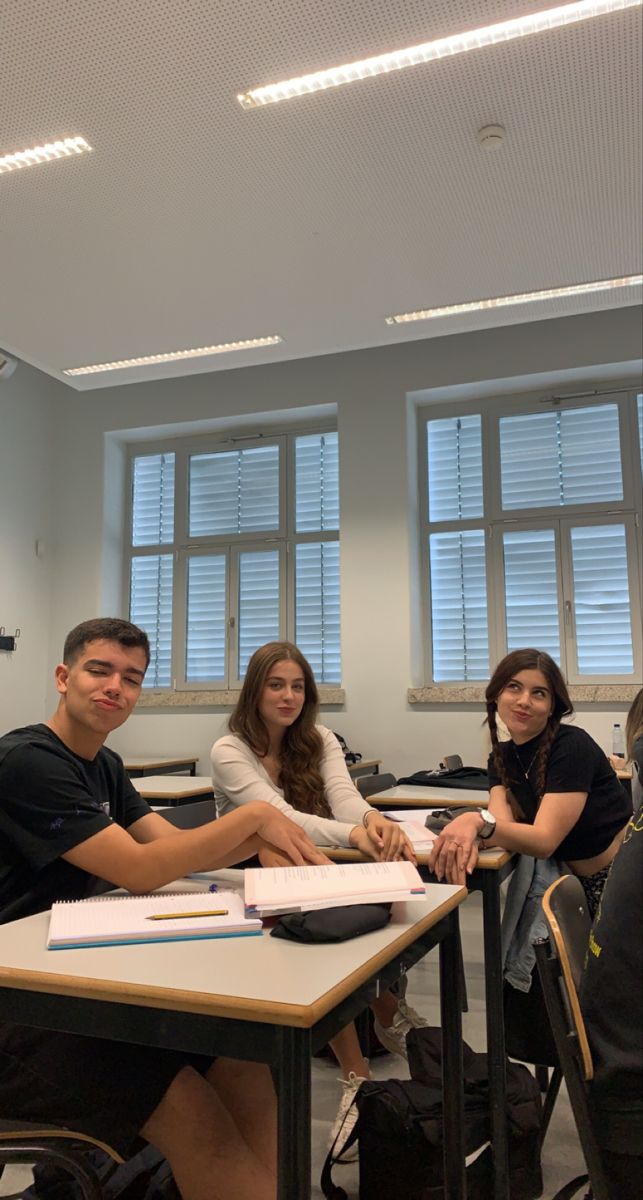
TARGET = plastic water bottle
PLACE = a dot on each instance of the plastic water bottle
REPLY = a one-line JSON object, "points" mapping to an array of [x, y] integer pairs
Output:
{"points": [[618, 742]]}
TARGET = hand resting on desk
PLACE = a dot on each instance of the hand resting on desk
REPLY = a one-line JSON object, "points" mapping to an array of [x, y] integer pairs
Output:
{"points": [[455, 852], [382, 839]]}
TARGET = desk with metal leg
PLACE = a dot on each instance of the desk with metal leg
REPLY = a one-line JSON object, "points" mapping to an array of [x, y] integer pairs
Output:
{"points": [[259, 998]]}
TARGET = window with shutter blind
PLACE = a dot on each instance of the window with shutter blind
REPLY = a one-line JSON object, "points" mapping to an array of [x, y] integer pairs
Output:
{"points": [[232, 545], [532, 519]]}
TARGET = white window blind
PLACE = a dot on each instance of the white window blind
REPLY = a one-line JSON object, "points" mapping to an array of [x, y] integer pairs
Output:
{"points": [[153, 500], [316, 483], [206, 618], [317, 607], [234, 491], [531, 590], [258, 602], [532, 511], [241, 547], [151, 609], [459, 606], [601, 600], [569, 456], [454, 453]]}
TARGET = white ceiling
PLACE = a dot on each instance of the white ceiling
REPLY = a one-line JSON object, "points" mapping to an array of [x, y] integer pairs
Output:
{"points": [[195, 222]]}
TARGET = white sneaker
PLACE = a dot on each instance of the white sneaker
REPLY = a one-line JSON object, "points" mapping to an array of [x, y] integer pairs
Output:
{"points": [[346, 1117], [393, 1038]]}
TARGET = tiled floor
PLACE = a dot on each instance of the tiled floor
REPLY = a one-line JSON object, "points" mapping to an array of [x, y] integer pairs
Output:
{"points": [[562, 1158]]}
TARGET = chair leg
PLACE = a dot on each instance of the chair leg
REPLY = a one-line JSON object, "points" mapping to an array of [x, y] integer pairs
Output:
{"points": [[550, 1100], [542, 1077]]}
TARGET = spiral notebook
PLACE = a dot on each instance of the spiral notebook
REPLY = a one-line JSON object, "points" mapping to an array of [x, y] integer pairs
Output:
{"points": [[161, 917]]}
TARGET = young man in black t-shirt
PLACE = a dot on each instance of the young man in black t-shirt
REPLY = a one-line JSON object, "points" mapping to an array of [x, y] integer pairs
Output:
{"points": [[69, 816]]}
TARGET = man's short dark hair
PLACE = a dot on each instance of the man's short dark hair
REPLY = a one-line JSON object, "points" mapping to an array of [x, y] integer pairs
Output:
{"points": [[108, 629]]}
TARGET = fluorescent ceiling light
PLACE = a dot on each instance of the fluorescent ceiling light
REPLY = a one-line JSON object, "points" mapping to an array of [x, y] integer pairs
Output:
{"points": [[397, 60], [42, 154], [573, 289], [148, 360]]}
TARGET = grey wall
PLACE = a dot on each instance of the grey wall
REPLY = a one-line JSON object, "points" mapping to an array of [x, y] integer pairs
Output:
{"points": [[76, 439]]}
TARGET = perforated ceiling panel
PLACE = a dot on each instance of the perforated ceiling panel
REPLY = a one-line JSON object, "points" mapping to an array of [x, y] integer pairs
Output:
{"points": [[194, 222]]}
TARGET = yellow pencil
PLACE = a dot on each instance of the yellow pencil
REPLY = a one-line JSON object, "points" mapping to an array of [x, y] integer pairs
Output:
{"points": [[211, 912]]}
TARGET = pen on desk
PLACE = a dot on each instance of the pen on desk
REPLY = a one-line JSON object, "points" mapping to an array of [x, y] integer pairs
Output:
{"points": [[212, 912]]}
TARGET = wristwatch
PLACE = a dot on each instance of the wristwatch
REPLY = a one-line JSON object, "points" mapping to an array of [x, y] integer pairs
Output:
{"points": [[489, 826]]}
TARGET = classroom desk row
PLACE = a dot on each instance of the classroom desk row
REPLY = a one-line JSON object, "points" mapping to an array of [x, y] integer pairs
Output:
{"points": [[141, 766], [260, 999], [176, 789]]}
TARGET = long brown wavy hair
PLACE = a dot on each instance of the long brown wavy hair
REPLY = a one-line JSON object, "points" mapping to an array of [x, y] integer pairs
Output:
{"points": [[634, 724], [508, 668], [301, 747]]}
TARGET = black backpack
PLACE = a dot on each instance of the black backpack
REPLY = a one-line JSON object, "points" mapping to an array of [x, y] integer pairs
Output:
{"points": [[458, 777], [399, 1128], [350, 756]]}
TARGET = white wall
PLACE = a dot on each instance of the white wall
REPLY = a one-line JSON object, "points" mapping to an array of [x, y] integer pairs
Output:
{"points": [[381, 650], [26, 467]]}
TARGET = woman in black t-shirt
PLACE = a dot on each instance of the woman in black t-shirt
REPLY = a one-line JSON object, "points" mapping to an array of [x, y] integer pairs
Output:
{"points": [[553, 792], [634, 747]]}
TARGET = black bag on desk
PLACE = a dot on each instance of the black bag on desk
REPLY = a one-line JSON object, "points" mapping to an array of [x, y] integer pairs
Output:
{"points": [[439, 817], [459, 777], [332, 924], [401, 1136]]}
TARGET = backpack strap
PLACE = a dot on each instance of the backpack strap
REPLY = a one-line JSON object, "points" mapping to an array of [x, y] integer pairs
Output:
{"points": [[570, 1189], [331, 1190]]}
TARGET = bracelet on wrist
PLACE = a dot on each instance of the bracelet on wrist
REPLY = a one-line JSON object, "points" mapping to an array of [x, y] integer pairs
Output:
{"points": [[369, 813]]}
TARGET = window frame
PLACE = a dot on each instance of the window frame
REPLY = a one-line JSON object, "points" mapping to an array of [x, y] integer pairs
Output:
{"points": [[284, 539], [561, 518]]}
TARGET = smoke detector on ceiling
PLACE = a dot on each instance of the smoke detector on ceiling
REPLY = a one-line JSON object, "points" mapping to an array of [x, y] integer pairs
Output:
{"points": [[7, 365], [491, 136]]}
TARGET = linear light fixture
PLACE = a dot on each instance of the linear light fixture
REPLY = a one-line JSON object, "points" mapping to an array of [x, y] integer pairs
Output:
{"points": [[43, 154], [573, 289], [148, 360], [397, 60]]}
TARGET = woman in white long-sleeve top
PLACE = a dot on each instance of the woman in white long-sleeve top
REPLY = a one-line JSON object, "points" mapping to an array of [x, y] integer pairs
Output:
{"points": [[276, 752]]}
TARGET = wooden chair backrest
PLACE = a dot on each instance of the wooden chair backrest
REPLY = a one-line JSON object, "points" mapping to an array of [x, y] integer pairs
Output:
{"points": [[569, 924]]}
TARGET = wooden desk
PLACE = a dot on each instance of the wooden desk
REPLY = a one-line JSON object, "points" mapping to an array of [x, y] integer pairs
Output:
{"points": [[138, 767], [492, 868], [259, 999], [409, 795], [366, 766], [173, 789]]}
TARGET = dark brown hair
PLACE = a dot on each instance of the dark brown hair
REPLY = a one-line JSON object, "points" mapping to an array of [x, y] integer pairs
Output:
{"points": [[301, 748], [104, 629], [634, 723], [508, 668]]}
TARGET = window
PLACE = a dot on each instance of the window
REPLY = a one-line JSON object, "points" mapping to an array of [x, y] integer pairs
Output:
{"points": [[233, 544], [531, 536]]}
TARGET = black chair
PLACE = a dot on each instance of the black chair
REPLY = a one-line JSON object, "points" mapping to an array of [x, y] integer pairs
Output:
{"points": [[34, 1143], [189, 816], [452, 762], [560, 959], [370, 785]]}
